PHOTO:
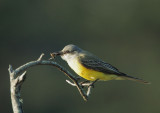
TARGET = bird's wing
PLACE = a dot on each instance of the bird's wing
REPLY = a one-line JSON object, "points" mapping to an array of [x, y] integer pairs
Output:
{"points": [[96, 64]]}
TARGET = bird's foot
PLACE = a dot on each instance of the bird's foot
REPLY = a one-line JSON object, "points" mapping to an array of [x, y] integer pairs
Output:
{"points": [[92, 83]]}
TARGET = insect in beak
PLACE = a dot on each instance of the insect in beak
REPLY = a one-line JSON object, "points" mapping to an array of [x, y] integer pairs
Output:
{"points": [[54, 54]]}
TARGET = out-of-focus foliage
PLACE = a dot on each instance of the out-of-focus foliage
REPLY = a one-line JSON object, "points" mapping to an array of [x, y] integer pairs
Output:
{"points": [[125, 33]]}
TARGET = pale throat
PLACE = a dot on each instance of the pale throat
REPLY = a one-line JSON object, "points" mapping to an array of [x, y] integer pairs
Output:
{"points": [[71, 59]]}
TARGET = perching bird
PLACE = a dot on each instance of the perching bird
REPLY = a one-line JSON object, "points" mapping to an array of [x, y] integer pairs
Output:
{"points": [[90, 67]]}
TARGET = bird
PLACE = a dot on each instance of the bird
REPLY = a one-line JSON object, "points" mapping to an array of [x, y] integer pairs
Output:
{"points": [[90, 67]]}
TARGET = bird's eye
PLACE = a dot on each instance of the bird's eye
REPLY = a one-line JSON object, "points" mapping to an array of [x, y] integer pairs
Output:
{"points": [[67, 52]]}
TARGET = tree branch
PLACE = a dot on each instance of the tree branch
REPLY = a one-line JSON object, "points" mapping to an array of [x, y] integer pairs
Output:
{"points": [[16, 81], [15, 86]]}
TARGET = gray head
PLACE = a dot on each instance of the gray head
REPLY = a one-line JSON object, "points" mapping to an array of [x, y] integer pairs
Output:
{"points": [[69, 52], [70, 49]]}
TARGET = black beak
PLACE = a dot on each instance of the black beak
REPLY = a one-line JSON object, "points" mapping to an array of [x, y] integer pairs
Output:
{"points": [[53, 55], [58, 53]]}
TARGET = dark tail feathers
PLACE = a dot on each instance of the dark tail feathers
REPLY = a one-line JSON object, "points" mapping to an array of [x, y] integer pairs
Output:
{"points": [[127, 77]]}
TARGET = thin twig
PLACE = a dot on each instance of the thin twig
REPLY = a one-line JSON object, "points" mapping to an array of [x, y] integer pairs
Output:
{"points": [[89, 85], [69, 82], [40, 58]]}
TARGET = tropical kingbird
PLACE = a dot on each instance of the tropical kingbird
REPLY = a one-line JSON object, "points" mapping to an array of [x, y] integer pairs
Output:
{"points": [[90, 67]]}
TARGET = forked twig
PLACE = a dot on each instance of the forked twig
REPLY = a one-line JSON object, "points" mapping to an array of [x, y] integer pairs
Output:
{"points": [[17, 79]]}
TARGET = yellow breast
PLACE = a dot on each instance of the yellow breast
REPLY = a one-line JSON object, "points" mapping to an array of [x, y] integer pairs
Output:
{"points": [[89, 74]]}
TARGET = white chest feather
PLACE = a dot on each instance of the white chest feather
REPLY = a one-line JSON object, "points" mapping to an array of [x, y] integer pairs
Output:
{"points": [[72, 61]]}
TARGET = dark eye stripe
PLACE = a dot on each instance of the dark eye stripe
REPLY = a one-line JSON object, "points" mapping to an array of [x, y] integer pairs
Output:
{"points": [[66, 52]]}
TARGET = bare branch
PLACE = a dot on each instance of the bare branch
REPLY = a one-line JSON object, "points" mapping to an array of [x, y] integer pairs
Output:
{"points": [[89, 91], [10, 69], [69, 82], [40, 58], [17, 80], [89, 85], [15, 86], [22, 77]]}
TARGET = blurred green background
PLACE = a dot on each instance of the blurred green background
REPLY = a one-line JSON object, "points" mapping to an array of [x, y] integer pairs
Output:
{"points": [[125, 33]]}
